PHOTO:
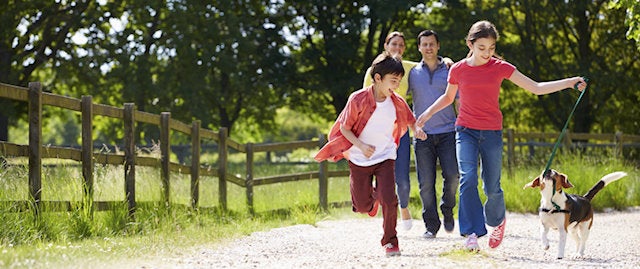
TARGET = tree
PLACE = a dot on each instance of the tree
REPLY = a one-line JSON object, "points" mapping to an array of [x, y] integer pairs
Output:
{"points": [[218, 62], [37, 35], [232, 61], [337, 40], [632, 19], [548, 40], [238, 61]]}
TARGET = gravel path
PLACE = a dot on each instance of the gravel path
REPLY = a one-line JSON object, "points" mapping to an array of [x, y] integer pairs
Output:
{"points": [[354, 243]]}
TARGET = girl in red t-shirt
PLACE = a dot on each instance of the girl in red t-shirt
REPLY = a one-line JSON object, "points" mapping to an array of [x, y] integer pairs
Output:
{"points": [[479, 129]]}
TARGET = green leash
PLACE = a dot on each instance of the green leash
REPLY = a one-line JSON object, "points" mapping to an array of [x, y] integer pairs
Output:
{"points": [[555, 147]]}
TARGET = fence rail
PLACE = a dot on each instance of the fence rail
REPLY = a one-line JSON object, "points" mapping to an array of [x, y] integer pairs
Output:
{"points": [[86, 154]]}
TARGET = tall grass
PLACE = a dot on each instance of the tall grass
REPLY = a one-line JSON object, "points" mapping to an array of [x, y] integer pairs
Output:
{"points": [[583, 172], [158, 229]]}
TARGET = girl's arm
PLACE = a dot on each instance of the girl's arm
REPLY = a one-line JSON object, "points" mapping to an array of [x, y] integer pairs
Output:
{"points": [[418, 133], [442, 102], [540, 88]]}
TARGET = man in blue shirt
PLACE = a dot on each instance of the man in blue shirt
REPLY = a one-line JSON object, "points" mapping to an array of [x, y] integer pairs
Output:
{"points": [[427, 82]]}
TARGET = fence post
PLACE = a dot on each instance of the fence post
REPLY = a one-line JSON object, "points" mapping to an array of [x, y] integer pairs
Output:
{"points": [[130, 157], [87, 147], [222, 168], [249, 180], [195, 163], [35, 145], [164, 151], [510, 152], [323, 180], [619, 144]]}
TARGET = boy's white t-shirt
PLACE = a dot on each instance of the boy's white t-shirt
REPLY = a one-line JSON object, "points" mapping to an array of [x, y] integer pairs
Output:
{"points": [[379, 133]]}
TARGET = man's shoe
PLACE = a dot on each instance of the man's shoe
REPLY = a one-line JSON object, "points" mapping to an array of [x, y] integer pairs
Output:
{"points": [[498, 233], [449, 223], [428, 235], [471, 243], [374, 210], [391, 250]]}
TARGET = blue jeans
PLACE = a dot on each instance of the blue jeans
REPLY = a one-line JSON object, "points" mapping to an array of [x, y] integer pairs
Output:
{"points": [[402, 170], [471, 144], [436, 147]]}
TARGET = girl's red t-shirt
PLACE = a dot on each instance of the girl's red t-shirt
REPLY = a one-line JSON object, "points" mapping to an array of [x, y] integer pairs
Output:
{"points": [[479, 90]]}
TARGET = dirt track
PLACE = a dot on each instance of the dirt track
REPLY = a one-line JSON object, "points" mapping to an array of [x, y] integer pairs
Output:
{"points": [[354, 243]]}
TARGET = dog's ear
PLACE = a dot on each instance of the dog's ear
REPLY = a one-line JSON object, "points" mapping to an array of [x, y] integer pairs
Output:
{"points": [[534, 183], [564, 181]]}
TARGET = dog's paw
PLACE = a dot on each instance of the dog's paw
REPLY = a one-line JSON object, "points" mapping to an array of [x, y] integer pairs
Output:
{"points": [[578, 256], [545, 247]]}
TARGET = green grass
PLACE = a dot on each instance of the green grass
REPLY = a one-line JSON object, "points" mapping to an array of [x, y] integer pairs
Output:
{"points": [[157, 232], [84, 237]]}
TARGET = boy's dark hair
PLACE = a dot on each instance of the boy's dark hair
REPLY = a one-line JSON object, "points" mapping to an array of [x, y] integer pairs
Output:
{"points": [[385, 63], [428, 33]]}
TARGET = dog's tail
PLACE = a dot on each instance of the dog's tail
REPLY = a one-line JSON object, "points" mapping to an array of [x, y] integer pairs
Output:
{"points": [[604, 181]]}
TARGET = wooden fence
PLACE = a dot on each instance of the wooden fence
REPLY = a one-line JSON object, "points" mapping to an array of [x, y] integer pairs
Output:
{"points": [[35, 151], [129, 116]]}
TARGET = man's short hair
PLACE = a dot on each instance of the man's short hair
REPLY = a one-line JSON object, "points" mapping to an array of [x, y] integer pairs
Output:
{"points": [[428, 33]]}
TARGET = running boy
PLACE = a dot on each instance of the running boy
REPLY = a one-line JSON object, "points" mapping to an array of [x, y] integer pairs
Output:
{"points": [[367, 133]]}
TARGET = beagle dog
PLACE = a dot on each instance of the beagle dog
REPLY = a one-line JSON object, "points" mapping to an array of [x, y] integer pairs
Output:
{"points": [[566, 212]]}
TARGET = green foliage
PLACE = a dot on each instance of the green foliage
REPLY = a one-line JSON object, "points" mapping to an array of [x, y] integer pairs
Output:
{"points": [[80, 225], [37, 39], [297, 126], [548, 40], [632, 19], [583, 172], [337, 41], [306, 214], [207, 61], [291, 126], [116, 219], [16, 229]]}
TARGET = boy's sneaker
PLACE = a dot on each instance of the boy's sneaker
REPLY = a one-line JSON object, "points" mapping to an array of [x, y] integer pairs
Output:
{"points": [[498, 233], [391, 250], [471, 243], [374, 210], [449, 223]]}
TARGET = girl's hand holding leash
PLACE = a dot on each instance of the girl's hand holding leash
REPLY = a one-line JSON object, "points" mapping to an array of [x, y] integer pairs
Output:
{"points": [[579, 83]]}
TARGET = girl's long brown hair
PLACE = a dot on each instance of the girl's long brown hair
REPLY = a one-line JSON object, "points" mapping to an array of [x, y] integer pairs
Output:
{"points": [[482, 29]]}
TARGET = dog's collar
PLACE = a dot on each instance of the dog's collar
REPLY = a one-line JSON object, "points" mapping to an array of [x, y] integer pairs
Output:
{"points": [[551, 211], [556, 206]]}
